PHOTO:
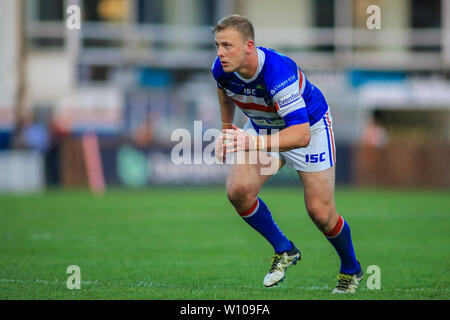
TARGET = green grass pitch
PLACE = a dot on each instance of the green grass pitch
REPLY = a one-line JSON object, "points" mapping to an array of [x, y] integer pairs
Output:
{"points": [[163, 243]]}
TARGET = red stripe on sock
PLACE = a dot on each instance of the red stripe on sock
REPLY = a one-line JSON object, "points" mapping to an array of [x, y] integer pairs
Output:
{"points": [[249, 211], [336, 230]]}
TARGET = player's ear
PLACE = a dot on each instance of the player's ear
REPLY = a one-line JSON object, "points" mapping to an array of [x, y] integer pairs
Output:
{"points": [[250, 45]]}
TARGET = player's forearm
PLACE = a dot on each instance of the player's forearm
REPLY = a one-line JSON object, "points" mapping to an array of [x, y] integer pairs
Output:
{"points": [[227, 109], [227, 122], [293, 137], [227, 114]]}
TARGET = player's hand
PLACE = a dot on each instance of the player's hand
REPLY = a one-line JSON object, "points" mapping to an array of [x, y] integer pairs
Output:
{"points": [[220, 148], [236, 139]]}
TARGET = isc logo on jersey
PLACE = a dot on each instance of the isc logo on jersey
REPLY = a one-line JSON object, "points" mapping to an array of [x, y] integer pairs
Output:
{"points": [[293, 97], [248, 91]]}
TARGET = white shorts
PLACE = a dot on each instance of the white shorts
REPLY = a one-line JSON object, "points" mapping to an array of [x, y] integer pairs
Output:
{"points": [[319, 155]]}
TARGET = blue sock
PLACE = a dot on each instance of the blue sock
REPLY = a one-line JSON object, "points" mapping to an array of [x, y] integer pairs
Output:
{"points": [[260, 219], [341, 239]]}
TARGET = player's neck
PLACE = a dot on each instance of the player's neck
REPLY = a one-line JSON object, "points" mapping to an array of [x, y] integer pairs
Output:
{"points": [[248, 70]]}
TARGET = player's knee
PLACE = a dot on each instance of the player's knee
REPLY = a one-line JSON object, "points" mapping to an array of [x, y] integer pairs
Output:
{"points": [[240, 194], [321, 213]]}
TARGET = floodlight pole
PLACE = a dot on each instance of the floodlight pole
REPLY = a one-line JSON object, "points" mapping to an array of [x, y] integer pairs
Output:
{"points": [[445, 27], [19, 100]]}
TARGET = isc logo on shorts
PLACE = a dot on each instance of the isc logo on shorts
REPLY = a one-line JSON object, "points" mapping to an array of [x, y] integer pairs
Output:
{"points": [[319, 155], [313, 158]]}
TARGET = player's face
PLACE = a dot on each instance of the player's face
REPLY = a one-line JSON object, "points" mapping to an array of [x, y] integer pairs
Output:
{"points": [[232, 49]]}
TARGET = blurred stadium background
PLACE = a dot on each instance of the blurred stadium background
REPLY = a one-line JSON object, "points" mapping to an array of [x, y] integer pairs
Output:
{"points": [[93, 109], [138, 69]]}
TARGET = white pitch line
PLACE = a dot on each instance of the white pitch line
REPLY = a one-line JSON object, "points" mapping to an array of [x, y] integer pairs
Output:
{"points": [[151, 284], [167, 285]]}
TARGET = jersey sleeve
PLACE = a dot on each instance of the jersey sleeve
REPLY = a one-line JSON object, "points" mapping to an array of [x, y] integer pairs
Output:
{"points": [[291, 106], [283, 78]]}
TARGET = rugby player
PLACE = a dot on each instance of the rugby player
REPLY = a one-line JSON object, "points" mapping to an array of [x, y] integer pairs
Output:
{"points": [[288, 117]]}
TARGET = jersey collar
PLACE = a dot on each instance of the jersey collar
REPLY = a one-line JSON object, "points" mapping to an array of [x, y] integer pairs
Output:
{"points": [[261, 59]]}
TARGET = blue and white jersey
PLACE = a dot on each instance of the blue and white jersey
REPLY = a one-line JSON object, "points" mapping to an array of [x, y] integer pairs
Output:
{"points": [[277, 96]]}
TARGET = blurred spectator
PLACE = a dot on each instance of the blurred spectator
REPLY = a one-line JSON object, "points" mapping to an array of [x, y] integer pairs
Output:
{"points": [[33, 134], [37, 137], [143, 135], [369, 155], [374, 134], [60, 130]]}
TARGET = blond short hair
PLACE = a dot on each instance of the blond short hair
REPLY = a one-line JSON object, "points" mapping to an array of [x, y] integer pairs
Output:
{"points": [[237, 22]]}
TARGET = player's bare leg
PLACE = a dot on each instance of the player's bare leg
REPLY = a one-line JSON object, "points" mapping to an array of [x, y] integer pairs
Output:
{"points": [[243, 185], [319, 198], [245, 180], [320, 205]]}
